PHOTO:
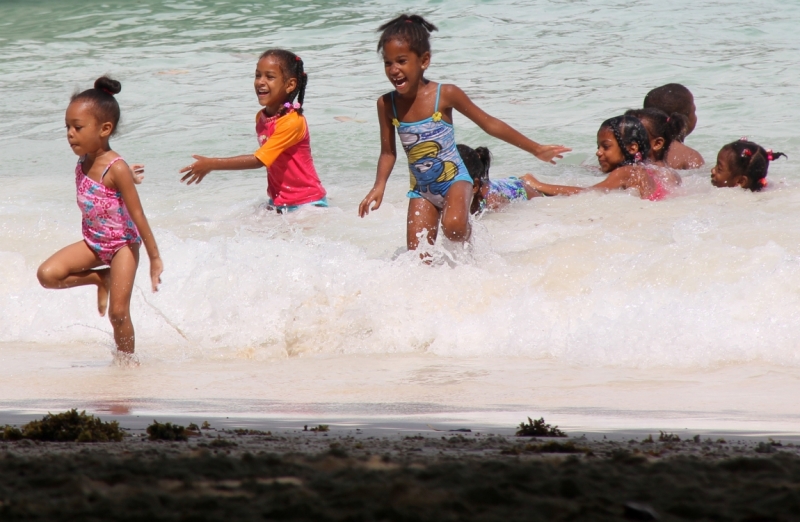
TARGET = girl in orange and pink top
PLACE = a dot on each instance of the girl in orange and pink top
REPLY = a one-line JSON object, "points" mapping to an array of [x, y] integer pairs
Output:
{"points": [[283, 138]]}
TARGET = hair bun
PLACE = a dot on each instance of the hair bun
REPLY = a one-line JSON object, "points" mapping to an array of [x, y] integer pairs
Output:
{"points": [[104, 83]]}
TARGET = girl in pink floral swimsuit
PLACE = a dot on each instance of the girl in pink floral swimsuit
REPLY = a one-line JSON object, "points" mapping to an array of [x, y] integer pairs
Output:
{"points": [[114, 224]]}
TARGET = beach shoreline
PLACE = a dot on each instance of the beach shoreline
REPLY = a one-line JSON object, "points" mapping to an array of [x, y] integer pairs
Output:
{"points": [[378, 473]]}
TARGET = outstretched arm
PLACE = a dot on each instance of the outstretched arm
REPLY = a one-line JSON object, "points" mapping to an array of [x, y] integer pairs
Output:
{"points": [[200, 168], [498, 128], [385, 161], [122, 178], [616, 180]]}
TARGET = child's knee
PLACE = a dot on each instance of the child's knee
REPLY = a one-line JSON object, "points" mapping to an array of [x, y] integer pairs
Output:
{"points": [[46, 275], [455, 228], [118, 314]]}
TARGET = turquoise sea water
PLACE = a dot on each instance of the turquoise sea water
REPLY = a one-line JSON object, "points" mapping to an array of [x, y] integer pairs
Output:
{"points": [[584, 293]]}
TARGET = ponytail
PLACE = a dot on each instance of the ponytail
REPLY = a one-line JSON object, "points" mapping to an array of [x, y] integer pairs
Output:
{"points": [[292, 67], [668, 127], [412, 29], [752, 161], [477, 162], [101, 97]]}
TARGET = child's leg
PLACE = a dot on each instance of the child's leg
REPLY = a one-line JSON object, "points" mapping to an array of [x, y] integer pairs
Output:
{"points": [[123, 271], [72, 266], [455, 216], [422, 215]]}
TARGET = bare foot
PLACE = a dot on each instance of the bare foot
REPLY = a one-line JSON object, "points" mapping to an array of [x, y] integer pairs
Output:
{"points": [[103, 290], [125, 359]]}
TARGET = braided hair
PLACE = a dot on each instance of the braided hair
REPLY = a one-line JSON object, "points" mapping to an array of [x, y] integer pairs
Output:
{"points": [[102, 100], [412, 29], [291, 67], [751, 160], [628, 130], [660, 125]]}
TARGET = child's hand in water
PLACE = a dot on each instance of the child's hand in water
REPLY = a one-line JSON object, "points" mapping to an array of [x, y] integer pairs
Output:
{"points": [[197, 170], [138, 173], [156, 269], [550, 153], [374, 198]]}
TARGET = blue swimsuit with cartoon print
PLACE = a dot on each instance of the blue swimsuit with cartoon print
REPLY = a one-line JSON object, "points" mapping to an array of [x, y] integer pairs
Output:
{"points": [[433, 160]]}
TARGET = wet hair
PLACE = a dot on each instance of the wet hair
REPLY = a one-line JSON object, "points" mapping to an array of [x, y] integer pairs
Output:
{"points": [[672, 97], [412, 29], [751, 160], [477, 162], [669, 127], [628, 130], [291, 67], [102, 100]]}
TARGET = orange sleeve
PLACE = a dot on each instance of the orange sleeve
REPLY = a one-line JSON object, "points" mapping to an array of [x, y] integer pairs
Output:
{"points": [[289, 130]]}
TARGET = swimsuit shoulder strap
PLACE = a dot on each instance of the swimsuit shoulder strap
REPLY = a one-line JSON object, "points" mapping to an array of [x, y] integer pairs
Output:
{"points": [[394, 109], [436, 106], [110, 165]]}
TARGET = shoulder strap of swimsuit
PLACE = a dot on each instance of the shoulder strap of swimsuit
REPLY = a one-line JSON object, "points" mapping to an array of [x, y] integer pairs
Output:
{"points": [[394, 109], [109, 166], [436, 107]]}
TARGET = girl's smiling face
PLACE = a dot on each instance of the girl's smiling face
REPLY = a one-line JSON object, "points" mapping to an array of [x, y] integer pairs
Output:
{"points": [[609, 154], [722, 175], [272, 87], [403, 67]]}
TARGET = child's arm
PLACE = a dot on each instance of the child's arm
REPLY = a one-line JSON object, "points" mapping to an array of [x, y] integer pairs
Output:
{"points": [[499, 129], [618, 179], [200, 168], [122, 179], [385, 161]]}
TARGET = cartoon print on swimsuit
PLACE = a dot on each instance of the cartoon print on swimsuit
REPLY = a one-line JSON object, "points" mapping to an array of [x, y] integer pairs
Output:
{"points": [[430, 173], [441, 188]]}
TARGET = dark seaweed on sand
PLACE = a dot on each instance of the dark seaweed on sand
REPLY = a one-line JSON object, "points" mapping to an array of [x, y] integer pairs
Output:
{"points": [[167, 431], [538, 428], [69, 426]]}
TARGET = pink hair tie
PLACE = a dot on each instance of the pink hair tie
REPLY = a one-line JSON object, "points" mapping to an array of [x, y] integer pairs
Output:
{"points": [[769, 154], [746, 153]]}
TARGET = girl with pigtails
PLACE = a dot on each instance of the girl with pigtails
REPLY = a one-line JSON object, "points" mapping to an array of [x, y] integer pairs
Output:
{"points": [[743, 164], [283, 138], [422, 113]]}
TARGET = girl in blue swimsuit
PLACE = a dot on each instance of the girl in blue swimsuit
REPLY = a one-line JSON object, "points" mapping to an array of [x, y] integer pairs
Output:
{"points": [[422, 113], [492, 194]]}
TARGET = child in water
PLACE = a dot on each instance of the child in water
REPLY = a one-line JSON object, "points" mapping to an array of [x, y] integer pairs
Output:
{"points": [[422, 112], [492, 194], [283, 138], [622, 146], [114, 224], [675, 98], [743, 164], [662, 131]]}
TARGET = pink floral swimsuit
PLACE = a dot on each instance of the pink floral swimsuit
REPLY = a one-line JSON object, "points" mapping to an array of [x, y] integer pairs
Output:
{"points": [[107, 225]]}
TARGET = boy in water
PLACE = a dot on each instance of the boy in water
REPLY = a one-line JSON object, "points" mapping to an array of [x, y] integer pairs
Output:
{"points": [[674, 97]]}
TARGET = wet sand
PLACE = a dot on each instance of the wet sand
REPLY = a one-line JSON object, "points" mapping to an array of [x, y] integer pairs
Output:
{"points": [[355, 474]]}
